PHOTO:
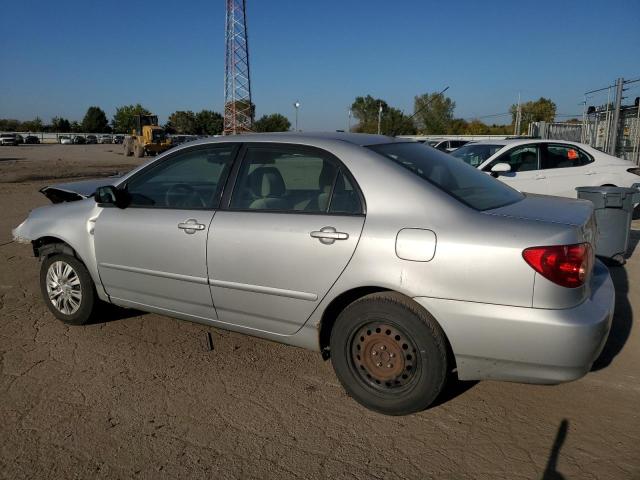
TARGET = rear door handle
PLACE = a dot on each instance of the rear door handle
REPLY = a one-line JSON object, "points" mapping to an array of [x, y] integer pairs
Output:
{"points": [[191, 226], [328, 235]]}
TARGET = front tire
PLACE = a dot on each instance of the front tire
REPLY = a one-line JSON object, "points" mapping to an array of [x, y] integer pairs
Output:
{"points": [[389, 354], [67, 289]]}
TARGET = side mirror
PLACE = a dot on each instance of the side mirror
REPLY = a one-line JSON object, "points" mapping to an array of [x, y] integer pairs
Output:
{"points": [[110, 195], [500, 168]]}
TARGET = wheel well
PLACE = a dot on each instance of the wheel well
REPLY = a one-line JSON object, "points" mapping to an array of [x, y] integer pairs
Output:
{"points": [[339, 303], [46, 246], [336, 306]]}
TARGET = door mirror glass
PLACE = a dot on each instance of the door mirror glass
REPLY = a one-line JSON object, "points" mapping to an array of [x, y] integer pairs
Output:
{"points": [[110, 195], [500, 168]]}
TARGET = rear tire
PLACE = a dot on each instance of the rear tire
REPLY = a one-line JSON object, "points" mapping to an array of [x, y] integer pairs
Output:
{"points": [[389, 354], [67, 289], [128, 151], [138, 150]]}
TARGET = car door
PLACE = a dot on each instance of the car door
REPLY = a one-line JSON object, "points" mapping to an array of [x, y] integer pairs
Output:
{"points": [[293, 221], [153, 252], [525, 174], [566, 167]]}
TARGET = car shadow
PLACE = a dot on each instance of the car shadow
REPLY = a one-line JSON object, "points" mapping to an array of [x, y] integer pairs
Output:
{"points": [[452, 389], [551, 470], [622, 319], [111, 313], [634, 238]]}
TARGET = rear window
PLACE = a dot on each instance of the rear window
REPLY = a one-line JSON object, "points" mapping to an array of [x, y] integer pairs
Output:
{"points": [[470, 186], [476, 153]]}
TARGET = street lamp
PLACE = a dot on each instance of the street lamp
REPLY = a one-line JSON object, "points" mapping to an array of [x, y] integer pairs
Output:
{"points": [[349, 121], [296, 104]]}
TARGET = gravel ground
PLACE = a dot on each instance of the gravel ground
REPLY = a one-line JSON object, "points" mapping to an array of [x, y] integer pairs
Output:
{"points": [[139, 395]]}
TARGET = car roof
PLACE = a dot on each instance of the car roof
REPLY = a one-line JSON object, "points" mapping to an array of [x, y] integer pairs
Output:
{"points": [[309, 138], [523, 141]]}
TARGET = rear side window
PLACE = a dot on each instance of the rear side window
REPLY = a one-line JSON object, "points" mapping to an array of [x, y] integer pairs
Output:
{"points": [[451, 175], [564, 156], [285, 179], [475, 154]]}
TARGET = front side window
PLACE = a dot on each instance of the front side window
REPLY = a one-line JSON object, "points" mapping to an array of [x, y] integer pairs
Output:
{"points": [[475, 154], [564, 156], [281, 178], [456, 178], [191, 179], [521, 159]]}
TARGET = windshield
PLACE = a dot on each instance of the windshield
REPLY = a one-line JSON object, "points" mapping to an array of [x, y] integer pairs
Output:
{"points": [[476, 153], [464, 183]]}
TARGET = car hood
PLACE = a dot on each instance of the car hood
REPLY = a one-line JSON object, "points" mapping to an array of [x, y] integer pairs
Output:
{"points": [[69, 192]]}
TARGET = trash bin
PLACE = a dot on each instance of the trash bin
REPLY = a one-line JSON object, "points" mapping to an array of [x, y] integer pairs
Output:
{"points": [[614, 210]]}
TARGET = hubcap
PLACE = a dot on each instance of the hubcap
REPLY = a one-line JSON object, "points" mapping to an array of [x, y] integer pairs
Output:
{"points": [[63, 287], [383, 356]]}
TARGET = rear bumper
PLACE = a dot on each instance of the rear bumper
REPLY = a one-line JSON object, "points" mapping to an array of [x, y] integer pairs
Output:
{"points": [[529, 345]]}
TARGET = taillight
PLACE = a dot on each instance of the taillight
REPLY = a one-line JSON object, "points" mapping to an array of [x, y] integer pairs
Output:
{"points": [[566, 265]]}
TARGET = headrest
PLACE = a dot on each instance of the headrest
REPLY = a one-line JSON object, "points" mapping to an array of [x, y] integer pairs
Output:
{"points": [[267, 182]]}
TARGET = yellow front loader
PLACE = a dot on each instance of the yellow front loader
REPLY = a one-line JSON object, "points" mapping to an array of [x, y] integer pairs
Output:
{"points": [[147, 138]]}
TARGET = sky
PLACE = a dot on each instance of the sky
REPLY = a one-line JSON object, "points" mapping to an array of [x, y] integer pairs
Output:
{"points": [[59, 58]]}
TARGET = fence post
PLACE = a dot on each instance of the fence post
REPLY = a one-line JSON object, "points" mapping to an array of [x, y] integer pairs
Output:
{"points": [[613, 143]]}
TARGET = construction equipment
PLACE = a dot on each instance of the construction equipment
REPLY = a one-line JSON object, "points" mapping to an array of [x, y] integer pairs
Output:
{"points": [[146, 138]]}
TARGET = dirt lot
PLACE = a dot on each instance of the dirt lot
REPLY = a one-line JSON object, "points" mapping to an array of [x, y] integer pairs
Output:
{"points": [[140, 395]]}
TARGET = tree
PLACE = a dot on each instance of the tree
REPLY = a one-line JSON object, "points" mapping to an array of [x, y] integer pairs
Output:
{"points": [[95, 121], [9, 125], [183, 122], [275, 122], [365, 110], [395, 122], [123, 120], [209, 122], [434, 113], [541, 110], [76, 127], [34, 125], [59, 124]]}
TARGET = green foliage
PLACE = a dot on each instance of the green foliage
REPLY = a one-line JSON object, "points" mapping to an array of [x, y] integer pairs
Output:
{"points": [[434, 113], [275, 122], [183, 122], [9, 125], [76, 127], [393, 121], [95, 121], [541, 110], [123, 120], [209, 122], [61, 125]]}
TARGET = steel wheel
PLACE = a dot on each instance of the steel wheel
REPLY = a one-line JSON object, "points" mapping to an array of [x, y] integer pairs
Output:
{"points": [[384, 357], [63, 287]]}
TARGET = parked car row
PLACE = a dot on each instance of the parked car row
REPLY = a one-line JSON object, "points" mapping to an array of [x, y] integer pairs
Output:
{"points": [[17, 139], [90, 139]]}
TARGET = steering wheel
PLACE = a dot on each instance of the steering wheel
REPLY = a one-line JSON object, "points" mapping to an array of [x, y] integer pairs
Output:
{"points": [[183, 195]]}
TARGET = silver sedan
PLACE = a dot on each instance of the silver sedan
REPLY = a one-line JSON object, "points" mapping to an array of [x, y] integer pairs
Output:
{"points": [[400, 263]]}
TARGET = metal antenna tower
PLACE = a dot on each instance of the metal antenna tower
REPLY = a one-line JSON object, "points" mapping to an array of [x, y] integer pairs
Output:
{"points": [[238, 109]]}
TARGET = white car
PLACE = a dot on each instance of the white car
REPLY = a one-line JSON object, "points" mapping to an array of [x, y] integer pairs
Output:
{"points": [[65, 140], [549, 167], [445, 145]]}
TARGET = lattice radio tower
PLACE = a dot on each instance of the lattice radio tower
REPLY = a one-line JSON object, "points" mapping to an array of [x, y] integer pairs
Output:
{"points": [[238, 109]]}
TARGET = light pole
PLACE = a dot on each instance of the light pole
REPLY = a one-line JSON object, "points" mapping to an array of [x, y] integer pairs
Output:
{"points": [[349, 121], [379, 116], [296, 104]]}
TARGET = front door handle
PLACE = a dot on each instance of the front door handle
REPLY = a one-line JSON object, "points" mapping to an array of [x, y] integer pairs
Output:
{"points": [[328, 235], [191, 226], [541, 177]]}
